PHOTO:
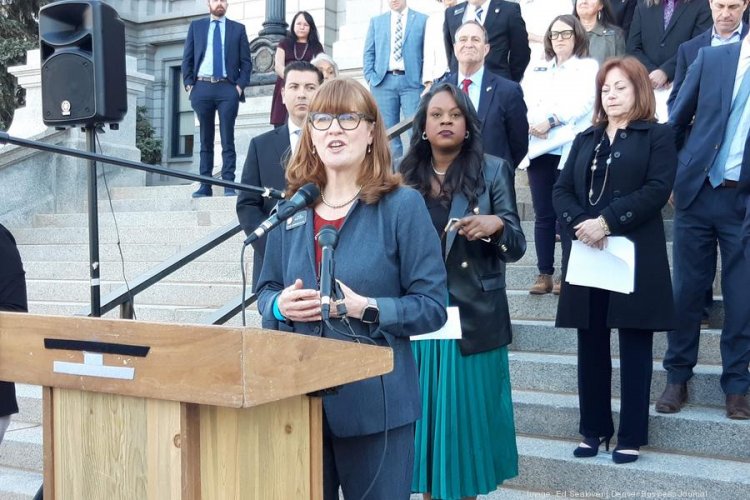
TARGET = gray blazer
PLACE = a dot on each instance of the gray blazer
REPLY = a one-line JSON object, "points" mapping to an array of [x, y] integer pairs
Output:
{"points": [[388, 251]]}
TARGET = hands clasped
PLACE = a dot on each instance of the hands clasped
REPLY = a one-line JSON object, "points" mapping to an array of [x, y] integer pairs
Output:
{"points": [[303, 304], [590, 233]]}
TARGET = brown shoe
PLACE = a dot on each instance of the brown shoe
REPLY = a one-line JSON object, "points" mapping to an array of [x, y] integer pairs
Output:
{"points": [[672, 399], [542, 285], [556, 286], [738, 407]]}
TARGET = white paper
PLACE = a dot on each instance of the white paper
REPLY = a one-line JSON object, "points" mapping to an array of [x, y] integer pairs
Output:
{"points": [[610, 269], [662, 110], [451, 330], [556, 137]]}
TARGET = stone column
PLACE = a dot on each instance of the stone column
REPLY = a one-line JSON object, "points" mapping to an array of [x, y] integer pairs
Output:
{"points": [[262, 49]]}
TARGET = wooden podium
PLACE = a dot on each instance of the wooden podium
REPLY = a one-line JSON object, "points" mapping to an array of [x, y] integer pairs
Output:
{"points": [[136, 410]]}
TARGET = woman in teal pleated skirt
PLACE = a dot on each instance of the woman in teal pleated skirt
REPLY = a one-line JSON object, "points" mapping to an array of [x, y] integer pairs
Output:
{"points": [[465, 440]]}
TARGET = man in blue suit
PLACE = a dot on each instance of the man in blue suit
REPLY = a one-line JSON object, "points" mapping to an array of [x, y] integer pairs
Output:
{"points": [[393, 64], [498, 101], [216, 68], [727, 28], [709, 208]]}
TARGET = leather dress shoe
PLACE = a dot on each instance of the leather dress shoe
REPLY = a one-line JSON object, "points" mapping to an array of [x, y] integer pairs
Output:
{"points": [[738, 407], [230, 192], [672, 399], [204, 190]]}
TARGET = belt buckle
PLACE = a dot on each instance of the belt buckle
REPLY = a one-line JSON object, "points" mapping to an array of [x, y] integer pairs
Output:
{"points": [[215, 80]]}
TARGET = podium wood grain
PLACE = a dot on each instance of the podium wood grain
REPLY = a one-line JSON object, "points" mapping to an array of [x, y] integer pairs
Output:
{"points": [[211, 412]]}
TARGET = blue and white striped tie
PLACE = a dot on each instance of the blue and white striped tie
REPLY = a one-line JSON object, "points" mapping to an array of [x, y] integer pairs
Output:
{"points": [[399, 39]]}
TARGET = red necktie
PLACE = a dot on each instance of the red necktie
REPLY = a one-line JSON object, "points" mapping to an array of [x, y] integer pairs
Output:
{"points": [[465, 86]]}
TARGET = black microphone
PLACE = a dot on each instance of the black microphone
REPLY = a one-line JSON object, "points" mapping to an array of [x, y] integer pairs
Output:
{"points": [[305, 196], [327, 238]]}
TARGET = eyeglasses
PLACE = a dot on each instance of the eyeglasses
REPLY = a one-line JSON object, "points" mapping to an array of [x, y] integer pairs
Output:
{"points": [[565, 35], [347, 121]]}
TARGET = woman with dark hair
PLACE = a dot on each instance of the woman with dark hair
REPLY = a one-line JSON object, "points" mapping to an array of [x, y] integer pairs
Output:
{"points": [[605, 38], [465, 440], [658, 29], [388, 266], [559, 95], [302, 43], [617, 178]]}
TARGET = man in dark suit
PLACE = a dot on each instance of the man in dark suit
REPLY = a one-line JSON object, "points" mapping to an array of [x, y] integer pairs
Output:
{"points": [[658, 30], [216, 68], [711, 161], [506, 31], [727, 28], [498, 101], [268, 153], [392, 63]]}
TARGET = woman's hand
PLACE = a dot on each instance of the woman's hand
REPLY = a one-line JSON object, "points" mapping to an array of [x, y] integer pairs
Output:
{"points": [[354, 302], [477, 227], [659, 79], [591, 233], [540, 129], [299, 304]]}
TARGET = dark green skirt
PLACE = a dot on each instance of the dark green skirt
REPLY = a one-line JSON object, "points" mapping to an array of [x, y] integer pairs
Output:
{"points": [[465, 443]]}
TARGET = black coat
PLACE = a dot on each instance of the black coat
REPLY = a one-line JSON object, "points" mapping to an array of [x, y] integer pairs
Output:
{"points": [[476, 269], [12, 298], [656, 47], [623, 11], [509, 42], [644, 161], [264, 166]]}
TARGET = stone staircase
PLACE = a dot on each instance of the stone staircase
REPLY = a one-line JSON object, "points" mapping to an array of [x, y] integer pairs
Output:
{"points": [[697, 453]]}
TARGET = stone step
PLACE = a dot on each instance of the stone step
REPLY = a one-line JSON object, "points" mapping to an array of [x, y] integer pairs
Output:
{"points": [[190, 218], [17, 484], [166, 205], [196, 272], [178, 191], [696, 430], [22, 447], [161, 314], [523, 305], [229, 251], [29, 399], [558, 373], [543, 337], [548, 465], [128, 235]]}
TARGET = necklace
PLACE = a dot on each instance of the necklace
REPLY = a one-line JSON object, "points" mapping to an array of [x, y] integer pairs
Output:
{"points": [[296, 57], [342, 205], [593, 170], [437, 172]]}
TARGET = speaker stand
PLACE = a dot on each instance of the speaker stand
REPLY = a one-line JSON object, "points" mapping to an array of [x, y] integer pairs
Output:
{"points": [[96, 310]]}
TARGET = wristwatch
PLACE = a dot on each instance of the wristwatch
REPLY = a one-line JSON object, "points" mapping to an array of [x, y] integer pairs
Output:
{"points": [[370, 313], [552, 122]]}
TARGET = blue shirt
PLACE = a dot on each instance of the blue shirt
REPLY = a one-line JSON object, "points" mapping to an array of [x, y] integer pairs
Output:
{"points": [[475, 89], [737, 146], [736, 36], [206, 69]]}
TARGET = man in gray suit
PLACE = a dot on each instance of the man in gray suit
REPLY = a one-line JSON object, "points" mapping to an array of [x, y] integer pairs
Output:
{"points": [[393, 63]]}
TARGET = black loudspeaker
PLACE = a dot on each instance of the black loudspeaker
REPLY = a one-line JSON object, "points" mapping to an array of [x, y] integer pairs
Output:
{"points": [[82, 45]]}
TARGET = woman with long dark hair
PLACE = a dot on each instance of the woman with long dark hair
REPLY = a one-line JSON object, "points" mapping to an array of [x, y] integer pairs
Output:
{"points": [[302, 43], [465, 441]]}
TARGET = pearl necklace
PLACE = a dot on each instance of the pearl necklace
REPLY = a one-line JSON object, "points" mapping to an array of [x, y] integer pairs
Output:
{"points": [[593, 170], [437, 172], [329, 205]]}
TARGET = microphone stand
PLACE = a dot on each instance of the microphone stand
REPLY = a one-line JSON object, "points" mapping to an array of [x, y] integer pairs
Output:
{"points": [[93, 213]]}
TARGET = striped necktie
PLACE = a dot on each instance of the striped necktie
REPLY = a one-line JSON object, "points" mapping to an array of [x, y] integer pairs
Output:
{"points": [[398, 39], [668, 11], [478, 14]]}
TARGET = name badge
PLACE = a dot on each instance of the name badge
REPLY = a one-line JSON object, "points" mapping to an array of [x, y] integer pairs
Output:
{"points": [[540, 68], [298, 219]]}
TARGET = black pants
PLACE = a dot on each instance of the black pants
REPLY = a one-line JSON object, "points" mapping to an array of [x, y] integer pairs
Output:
{"points": [[595, 378], [543, 174]]}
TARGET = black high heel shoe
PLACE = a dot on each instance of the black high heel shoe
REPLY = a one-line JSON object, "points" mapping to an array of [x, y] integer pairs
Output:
{"points": [[625, 455], [591, 448]]}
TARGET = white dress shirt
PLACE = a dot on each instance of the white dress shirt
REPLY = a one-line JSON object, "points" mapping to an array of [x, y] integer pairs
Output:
{"points": [[435, 62], [393, 64], [737, 147], [475, 88], [294, 133]]}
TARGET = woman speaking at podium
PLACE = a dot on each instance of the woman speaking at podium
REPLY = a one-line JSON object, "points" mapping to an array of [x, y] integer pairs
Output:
{"points": [[391, 275]]}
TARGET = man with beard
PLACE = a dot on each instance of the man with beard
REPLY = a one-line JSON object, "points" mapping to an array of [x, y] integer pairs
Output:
{"points": [[216, 68]]}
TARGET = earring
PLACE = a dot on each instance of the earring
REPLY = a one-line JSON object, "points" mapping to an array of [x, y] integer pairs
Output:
{"points": [[314, 152], [467, 135], [424, 136], [369, 149]]}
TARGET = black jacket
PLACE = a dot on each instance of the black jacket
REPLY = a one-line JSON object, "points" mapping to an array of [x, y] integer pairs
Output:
{"points": [[12, 298], [476, 269], [264, 166], [655, 46], [509, 42], [644, 161]]}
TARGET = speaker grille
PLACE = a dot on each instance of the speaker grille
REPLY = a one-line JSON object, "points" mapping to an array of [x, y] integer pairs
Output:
{"points": [[69, 88]]}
